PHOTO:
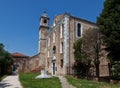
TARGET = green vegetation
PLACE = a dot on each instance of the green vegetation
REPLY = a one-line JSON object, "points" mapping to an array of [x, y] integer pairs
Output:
{"points": [[80, 83], [6, 61], [77, 50], [86, 50], [81, 64], [28, 81], [2, 77], [109, 24]]}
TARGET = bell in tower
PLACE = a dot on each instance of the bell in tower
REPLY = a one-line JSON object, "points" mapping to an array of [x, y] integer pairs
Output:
{"points": [[44, 20]]}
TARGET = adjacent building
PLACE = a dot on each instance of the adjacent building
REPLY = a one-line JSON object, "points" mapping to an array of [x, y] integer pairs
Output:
{"points": [[20, 62]]}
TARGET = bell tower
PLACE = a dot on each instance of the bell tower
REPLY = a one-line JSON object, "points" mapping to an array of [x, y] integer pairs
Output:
{"points": [[43, 31]]}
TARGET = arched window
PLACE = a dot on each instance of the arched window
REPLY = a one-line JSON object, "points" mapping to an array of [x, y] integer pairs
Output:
{"points": [[54, 37], [54, 49], [61, 30], [48, 53], [48, 42], [61, 63], [61, 47], [78, 30], [45, 21]]}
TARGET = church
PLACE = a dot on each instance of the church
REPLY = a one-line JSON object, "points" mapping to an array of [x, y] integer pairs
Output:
{"points": [[55, 45]]}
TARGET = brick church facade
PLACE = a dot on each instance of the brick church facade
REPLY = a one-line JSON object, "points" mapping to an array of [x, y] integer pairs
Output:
{"points": [[55, 52]]}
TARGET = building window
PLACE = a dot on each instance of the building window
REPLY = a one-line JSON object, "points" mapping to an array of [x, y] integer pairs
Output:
{"points": [[48, 42], [54, 49], [61, 30], [39, 34], [48, 64], [78, 30], [54, 23], [61, 47], [48, 53], [61, 61], [54, 37]]}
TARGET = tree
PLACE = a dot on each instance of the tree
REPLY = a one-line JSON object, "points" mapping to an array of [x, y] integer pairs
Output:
{"points": [[80, 62], [86, 52], [109, 24], [80, 55], [6, 61], [91, 47], [91, 43]]}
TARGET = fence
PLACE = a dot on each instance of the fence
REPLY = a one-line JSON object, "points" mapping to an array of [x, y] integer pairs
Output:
{"points": [[92, 72]]}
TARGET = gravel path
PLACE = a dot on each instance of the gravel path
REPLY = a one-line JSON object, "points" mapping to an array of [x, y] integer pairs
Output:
{"points": [[64, 83], [11, 82]]}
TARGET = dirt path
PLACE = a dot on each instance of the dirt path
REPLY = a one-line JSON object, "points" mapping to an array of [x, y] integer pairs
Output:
{"points": [[11, 82], [64, 83]]}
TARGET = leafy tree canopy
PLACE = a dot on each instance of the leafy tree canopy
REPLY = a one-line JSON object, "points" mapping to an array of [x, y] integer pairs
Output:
{"points": [[79, 54], [109, 23], [5, 59]]}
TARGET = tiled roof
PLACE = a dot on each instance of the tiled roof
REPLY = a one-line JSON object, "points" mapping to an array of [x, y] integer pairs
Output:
{"points": [[16, 54]]}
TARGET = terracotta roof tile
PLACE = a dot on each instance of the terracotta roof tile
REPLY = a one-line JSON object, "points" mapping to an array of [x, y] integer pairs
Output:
{"points": [[16, 54]]}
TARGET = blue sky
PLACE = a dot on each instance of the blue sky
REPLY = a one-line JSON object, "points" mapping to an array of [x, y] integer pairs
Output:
{"points": [[19, 19]]}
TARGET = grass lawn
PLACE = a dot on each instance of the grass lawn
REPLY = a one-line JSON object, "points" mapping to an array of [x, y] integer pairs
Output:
{"points": [[2, 77], [28, 81], [80, 83]]}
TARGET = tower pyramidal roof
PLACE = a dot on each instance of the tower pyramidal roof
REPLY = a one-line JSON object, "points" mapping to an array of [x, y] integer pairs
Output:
{"points": [[44, 14]]}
